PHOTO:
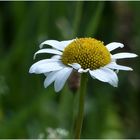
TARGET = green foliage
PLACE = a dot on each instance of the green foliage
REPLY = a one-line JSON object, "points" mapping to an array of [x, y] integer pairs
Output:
{"points": [[27, 109]]}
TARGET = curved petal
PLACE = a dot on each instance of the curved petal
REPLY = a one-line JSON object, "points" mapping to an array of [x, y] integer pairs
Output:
{"points": [[123, 55], [53, 43], [56, 57], [113, 65], [61, 78], [114, 45], [105, 75], [75, 66], [50, 78], [45, 61], [44, 66], [52, 51], [59, 45]]}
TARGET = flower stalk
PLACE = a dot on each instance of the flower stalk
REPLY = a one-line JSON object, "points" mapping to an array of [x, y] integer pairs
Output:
{"points": [[80, 116]]}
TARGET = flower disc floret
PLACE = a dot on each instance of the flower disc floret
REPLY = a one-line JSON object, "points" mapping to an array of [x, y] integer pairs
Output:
{"points": [[88, 52]]}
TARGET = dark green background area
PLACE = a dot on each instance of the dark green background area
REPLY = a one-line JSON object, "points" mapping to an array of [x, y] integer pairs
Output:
{"points": [[27, 108]]}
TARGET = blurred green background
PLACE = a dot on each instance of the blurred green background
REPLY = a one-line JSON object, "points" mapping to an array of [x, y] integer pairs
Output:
{"points": [[27, 109]]}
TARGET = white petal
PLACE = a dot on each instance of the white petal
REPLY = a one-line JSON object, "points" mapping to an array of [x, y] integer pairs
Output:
{"points": [[56, 57], [113, 65], [50, 78], [46, 61], [53, 43], [46, 74], [81, 70], [105, 75], [98, 74], [52, 51], [44, 66], [60, 45], [114, 45], [61, 78], [123, 55], [75, 66]]}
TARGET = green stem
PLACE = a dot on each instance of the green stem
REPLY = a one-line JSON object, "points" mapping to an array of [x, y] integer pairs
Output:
{"points": [[80, 115]]}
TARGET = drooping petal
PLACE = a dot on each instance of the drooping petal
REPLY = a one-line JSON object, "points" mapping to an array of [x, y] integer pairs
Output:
{"points": [[105, 75], [59, 45], [53, 43], [75, 66], [114, 45], [44, 66], [50, 78], [56, 57], [45, 61], [52, 51], [123, 55], [113, 65], [61, 78]]}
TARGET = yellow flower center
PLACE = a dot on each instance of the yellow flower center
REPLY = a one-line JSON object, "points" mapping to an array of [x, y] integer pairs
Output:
{"points": [[88, 52]]}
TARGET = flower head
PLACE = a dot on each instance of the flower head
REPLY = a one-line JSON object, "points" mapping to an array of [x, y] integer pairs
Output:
{"points": [[83, 55]]}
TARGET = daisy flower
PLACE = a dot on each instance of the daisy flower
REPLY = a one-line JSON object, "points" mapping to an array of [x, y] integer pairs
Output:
{"points": [[85, 55]]}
